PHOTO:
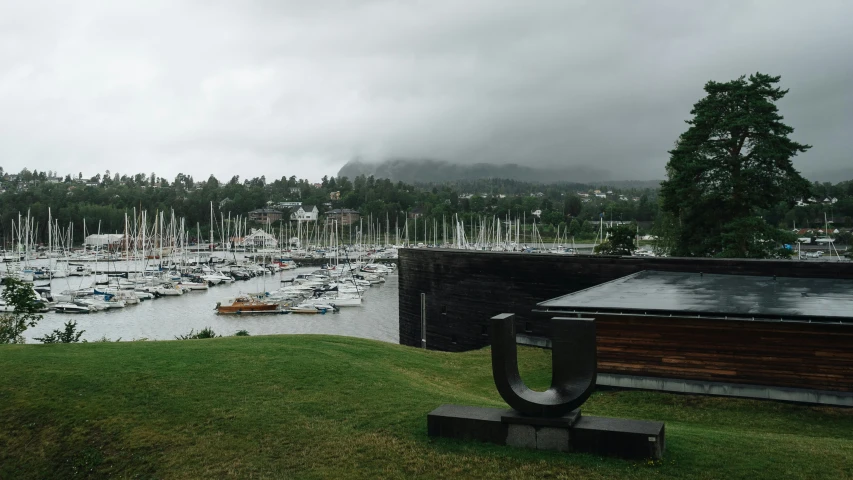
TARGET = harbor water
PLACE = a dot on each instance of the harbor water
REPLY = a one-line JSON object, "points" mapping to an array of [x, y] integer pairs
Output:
{"points": [[168, 317]]}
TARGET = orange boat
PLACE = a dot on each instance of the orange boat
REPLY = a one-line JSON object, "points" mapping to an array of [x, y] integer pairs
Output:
{"points": [[245, 304]]}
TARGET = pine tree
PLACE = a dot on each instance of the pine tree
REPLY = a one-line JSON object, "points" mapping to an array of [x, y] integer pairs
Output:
{"points": [[732, 163]]}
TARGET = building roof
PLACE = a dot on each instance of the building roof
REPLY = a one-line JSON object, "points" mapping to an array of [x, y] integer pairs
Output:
{"points": [[266, 210], [342, 211], [103, 239], [683, 294]]}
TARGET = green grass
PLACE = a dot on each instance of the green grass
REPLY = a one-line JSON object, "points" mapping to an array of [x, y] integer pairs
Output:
{"points": [[333, 407]]}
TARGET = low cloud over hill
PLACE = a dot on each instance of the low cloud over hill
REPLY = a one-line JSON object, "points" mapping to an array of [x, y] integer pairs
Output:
{"points": [[426, 170]]}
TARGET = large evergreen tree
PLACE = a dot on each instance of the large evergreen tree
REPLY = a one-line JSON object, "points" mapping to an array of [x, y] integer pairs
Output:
{"points": [[732, 163]]}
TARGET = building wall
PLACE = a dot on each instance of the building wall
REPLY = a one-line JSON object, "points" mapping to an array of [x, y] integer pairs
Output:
{"points": [[464, 289], [265, 217], [343, 219], [790, 354]]}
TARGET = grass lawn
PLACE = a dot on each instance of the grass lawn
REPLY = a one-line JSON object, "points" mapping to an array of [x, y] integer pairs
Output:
{"points": [[321, 407]]}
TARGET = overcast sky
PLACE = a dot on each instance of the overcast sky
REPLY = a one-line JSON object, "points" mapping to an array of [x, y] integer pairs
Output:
{"points": [[278, 88]]}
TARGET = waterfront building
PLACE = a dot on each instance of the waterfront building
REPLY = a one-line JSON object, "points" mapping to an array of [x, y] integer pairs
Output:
{"points": [[344, 216], [265, 215]]}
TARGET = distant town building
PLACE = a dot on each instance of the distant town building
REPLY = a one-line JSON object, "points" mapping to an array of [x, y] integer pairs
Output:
{"points": [[104, 240], [305, 213], [335, 196], [265, 215], [287, 204], [416, 212], [343, 216], [256, 238]]}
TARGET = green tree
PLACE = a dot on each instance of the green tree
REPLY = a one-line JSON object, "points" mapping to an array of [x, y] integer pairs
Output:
{"points": [[620, 241], [574, 227], [732, 163], [24, 314]]}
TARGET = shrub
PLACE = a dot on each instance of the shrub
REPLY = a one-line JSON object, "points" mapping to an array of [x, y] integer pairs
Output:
{"points": [[206, 332], [69, 335], [242, 333]]}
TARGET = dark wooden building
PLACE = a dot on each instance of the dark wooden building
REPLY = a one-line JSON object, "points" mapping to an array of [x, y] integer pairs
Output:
{"points": [[796, 345]]}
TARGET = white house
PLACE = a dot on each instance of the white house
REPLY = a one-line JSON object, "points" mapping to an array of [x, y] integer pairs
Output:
{"points": [[109, 239], [537, 213], [601, 195], [258, 239], [305, 213]]}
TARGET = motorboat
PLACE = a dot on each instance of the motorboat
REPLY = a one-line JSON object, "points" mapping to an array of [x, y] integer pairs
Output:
{"points": [[69, 307], [308, 308], [194, 285], [142, 296], [244, 304], [79, 270], [342, 300]]}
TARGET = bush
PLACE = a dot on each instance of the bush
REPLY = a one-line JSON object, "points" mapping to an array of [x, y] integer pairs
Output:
{"points": [[69, 335], [242, 333], [26, 305], [206, 332], [104, 339]]}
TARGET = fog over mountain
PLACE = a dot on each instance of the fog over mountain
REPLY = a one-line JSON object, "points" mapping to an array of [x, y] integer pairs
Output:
{"points": [[435, 171], [438, 171]]}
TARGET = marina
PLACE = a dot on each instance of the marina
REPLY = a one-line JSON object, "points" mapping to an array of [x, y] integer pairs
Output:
{"points": [[163, 315]]}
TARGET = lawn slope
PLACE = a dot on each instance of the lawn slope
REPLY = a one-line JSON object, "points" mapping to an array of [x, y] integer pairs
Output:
{"points": [[321, 407]]}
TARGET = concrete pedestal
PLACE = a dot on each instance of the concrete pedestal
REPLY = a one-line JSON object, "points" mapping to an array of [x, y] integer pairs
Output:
{"points": [[572, 432]]}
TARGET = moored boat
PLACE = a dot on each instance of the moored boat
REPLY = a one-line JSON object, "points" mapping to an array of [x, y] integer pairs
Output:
{"points": [[68, 307], [308, 308], [246, 305]]}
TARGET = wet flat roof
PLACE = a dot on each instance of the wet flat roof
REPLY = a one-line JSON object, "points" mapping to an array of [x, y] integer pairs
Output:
{"points": [[671, 293]]}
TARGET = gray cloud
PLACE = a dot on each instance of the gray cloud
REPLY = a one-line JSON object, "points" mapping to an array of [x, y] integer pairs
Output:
{"points": [[281, 88]]}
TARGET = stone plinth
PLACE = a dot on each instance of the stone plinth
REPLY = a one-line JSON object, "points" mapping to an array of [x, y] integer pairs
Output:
{"points": [[572, 432]]}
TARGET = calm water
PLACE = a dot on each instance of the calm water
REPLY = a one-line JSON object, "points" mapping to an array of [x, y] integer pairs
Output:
{"points": [[166, 317]]}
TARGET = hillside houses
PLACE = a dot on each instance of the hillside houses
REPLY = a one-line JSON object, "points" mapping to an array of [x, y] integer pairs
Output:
{"points": [[265, 215], [343, 216], [305, 213]]}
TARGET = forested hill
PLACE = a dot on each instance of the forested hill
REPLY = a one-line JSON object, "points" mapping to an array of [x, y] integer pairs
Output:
{"points": [[105, 201], [437, 171]]}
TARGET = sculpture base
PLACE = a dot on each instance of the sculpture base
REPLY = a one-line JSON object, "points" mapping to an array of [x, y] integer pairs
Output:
{"points": [[572, 432]]}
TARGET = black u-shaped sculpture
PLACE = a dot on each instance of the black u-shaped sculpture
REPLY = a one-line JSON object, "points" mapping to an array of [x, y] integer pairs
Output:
{"points": [[573, 359]]}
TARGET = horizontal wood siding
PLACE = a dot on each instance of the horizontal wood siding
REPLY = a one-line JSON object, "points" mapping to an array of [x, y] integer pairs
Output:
{"points": [[798, 355]]}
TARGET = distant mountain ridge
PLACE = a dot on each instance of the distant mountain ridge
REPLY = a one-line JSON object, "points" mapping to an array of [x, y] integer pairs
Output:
{"points": [[437, 171]]}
